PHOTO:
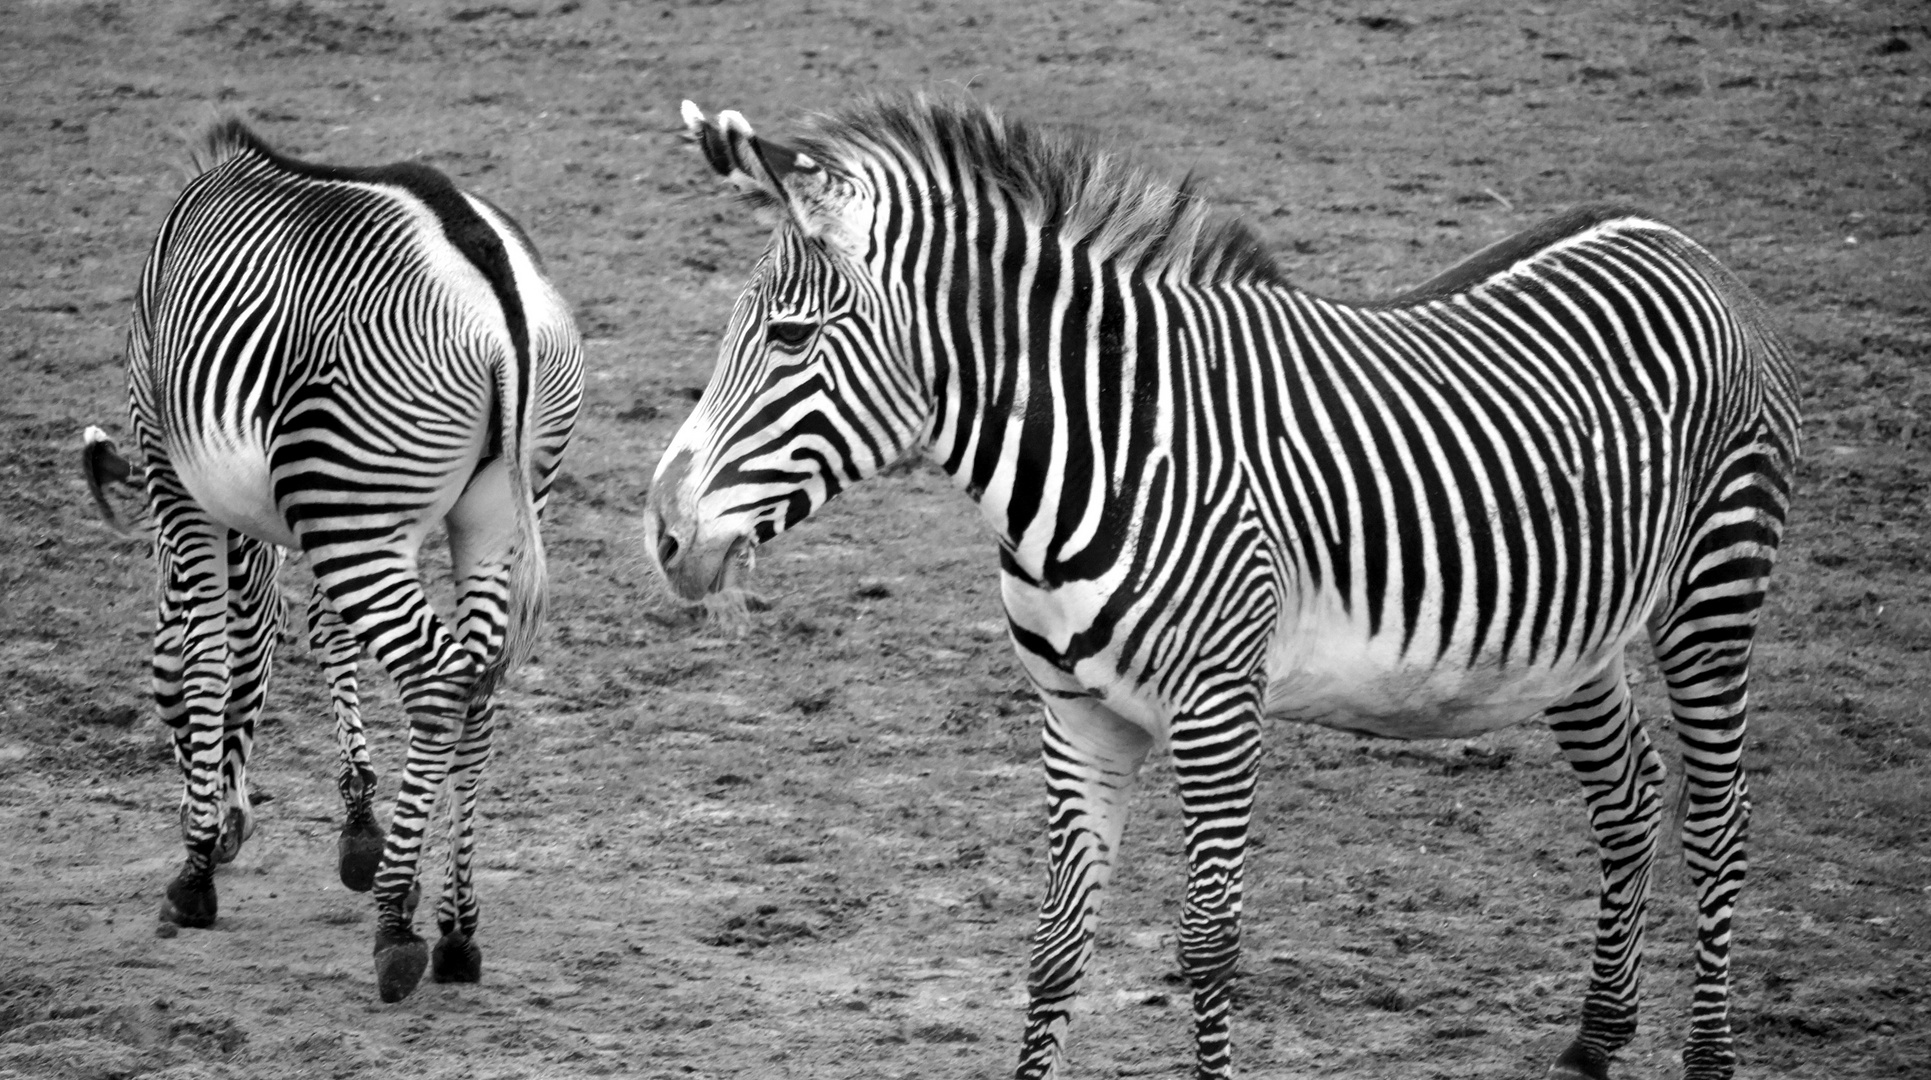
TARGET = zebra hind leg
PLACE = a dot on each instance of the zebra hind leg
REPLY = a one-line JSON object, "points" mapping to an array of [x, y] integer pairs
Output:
{"points": [[1703, 643], [482, 548], [380, 595], [190, 897], [436, 708], [191, 680], [254, 625], [457, 958], [1621, 775], [358, 848]]}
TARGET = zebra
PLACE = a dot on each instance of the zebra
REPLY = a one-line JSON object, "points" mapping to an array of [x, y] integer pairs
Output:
{"points": [[359, 845], [332, 360], [1219, 498]]}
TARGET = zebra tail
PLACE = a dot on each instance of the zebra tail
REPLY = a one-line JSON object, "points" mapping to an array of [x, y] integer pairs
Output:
{"points": [[529, 579], [100, 465]]}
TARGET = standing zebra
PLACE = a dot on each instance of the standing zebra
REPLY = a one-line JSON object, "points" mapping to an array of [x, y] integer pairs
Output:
{"points": [[359, 847], [1219, 498], [334, 360]]}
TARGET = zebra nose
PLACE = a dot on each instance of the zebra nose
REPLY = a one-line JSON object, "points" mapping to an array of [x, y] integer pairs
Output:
{"points": [[661, 535], [664, 513], [667, 549]]}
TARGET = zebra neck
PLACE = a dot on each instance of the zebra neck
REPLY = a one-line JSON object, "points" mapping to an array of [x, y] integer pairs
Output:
{"points": [[1062, 396]]}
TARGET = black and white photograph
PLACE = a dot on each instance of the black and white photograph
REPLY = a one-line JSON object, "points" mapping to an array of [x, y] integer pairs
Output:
{"points": [[862, 540]]}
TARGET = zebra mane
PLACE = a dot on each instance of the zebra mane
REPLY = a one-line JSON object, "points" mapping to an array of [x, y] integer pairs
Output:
{"points": [[225, 139], [1066, 182]]}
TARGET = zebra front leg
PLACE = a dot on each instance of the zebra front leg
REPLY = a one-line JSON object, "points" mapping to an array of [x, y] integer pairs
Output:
{"points": [[358, 849], [1621, 774], [1216, 759], [457, 958], [1092, 757]]}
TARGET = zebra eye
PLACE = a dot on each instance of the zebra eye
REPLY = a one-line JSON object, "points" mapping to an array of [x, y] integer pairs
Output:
{"points": [[791, 334]]}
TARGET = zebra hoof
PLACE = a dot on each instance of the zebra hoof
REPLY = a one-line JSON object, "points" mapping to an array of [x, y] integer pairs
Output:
{"points": [[399, 963], [1709, 1062], [457, 960], [190, 905], [1580, 1062], [235, 829], [358, 852]]}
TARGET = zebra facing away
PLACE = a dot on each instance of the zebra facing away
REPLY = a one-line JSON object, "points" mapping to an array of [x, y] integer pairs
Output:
{"points": [[333, 360], [359, 847], [1219, 498]]}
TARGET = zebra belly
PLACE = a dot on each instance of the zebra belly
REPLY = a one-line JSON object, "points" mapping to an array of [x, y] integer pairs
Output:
{"points": [[232, 483], [1371, 690]]}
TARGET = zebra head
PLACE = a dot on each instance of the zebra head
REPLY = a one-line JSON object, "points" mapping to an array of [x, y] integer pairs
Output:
{"points": [[812, 391]]}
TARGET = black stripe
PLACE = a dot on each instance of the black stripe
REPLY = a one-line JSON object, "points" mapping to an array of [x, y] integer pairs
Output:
{"points": [[461, 224]]}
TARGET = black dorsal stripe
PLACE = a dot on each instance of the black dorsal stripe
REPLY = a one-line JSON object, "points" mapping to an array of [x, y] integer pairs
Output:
{"points": [[1501, 255], [461, 224]]}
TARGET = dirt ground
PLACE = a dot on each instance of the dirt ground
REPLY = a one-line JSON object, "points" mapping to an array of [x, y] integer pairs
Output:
{"points": [[812, 849]]}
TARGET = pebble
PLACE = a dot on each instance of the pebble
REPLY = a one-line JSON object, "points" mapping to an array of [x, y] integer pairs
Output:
{"points": [[166, 930]]}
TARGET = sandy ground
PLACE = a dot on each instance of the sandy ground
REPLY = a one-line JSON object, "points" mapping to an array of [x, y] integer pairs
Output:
{"points": [[812, 849]]}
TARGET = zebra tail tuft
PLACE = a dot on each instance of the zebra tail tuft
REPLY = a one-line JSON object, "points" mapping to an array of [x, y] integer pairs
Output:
{"points": [[101, 464]]}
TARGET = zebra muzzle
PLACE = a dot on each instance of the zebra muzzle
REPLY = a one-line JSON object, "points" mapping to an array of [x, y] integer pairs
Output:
{"points": [[738, 562]]}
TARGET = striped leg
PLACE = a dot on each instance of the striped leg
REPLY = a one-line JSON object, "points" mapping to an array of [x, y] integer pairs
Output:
{"points": [[481, 536], [1703, 643], [1707, 686], [457, 958], [359, 847], [255, 614], [379, 594], [190, 677], [170, 703], [1621, 776], [1092, 757], [1216, 761]]}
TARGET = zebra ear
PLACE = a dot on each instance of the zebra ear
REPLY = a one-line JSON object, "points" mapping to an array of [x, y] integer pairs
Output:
{"points": [[755, 167], [769, 174]]}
